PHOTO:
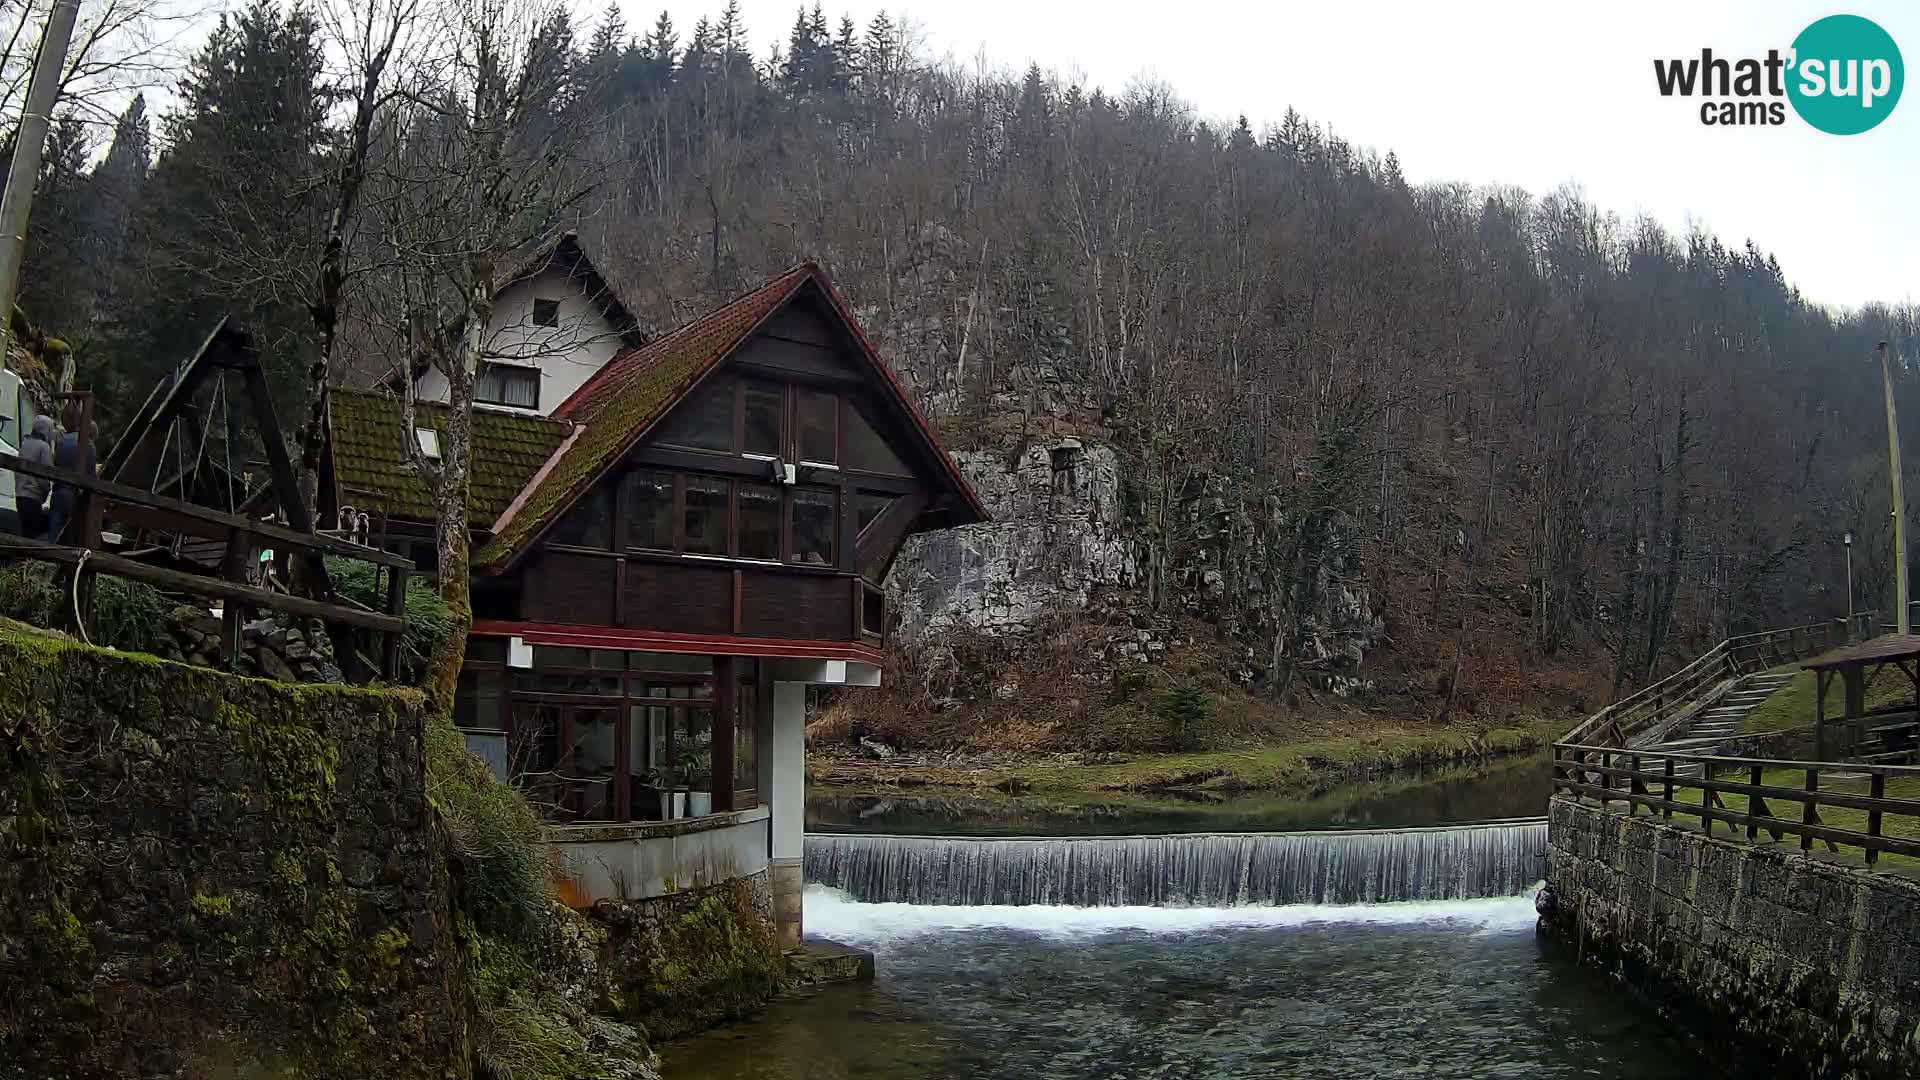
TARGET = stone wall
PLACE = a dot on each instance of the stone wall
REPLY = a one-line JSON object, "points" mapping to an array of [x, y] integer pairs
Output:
{"points": [[208, 875], [685, 962], [1787, 960]]}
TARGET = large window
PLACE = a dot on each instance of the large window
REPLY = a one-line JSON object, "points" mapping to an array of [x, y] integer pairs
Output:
{"points": [[759, 521], [605, 735], [697, 514], [771, 419], [816, 524], [704, 421], [817, 415], [506, 384], [765, 409], [706, 516], [867, 451], [589, 523], [650, 509]]}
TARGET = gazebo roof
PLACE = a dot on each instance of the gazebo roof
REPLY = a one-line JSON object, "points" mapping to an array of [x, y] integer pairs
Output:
{"points": [[1885, 649]]}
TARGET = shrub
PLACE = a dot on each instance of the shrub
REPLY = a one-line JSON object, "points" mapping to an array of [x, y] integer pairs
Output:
{"points": [[1187, 711], [127, 615], [495, 832], [427, 620]]}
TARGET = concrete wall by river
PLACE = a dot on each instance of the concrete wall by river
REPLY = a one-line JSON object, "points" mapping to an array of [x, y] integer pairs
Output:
{"points": [[1794, 958]]}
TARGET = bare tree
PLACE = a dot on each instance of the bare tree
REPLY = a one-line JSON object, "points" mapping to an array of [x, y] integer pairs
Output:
{"points": [[463, 185]]}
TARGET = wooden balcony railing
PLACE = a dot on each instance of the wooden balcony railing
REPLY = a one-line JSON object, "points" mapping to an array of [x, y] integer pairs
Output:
{"points": [[84, 553], [1687, 690], [1875, 808]]}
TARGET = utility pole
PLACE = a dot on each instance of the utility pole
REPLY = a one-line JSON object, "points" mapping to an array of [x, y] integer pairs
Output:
{"points": [[31, 141], [1899, 502]]}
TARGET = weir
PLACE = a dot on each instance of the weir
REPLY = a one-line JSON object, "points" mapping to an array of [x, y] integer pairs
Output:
{"points": [[1460, 862]]}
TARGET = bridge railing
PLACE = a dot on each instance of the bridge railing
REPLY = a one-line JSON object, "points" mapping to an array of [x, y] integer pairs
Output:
{"points": [[1686, 690], [1872, 808]]}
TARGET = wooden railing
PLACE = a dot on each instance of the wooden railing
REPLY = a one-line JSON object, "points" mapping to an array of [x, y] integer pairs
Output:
{"points": [[1657, 781], [1687, 690], [241, 535]]}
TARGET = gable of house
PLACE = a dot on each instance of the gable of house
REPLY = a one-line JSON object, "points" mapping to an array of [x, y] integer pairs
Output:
{"points": [[793, 329], [555, 325]]}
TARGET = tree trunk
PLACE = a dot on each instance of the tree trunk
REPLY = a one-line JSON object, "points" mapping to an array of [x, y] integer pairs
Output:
{"points": [[450, 494]]}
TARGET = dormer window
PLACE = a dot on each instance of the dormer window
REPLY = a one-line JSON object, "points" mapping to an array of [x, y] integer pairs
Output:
{"points": [[507, 384], [546, 312]]}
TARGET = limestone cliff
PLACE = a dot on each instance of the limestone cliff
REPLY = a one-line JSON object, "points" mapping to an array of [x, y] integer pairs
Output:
{"points": [[1064, 544]]}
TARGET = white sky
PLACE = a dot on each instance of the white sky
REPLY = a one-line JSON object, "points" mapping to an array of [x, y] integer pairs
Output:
{"points": [[1532, 94]]}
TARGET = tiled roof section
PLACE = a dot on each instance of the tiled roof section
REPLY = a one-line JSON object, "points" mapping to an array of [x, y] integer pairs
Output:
{"points": [[619, 403], [370, 466]]}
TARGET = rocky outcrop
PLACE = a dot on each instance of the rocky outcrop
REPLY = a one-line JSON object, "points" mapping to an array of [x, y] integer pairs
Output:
{"points": [[1058, 536], [1063, 544]]}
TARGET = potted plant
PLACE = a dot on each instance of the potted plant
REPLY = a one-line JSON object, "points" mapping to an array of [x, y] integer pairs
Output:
{"points": [[693, 772]]}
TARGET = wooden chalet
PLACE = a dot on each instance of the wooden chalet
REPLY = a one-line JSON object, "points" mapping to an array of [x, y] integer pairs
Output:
{"points": [[668, 554]]}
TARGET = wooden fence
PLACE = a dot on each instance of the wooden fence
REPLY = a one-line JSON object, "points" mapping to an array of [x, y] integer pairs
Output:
{"points": [[1687, 690], [1656, 781], [240, 534]]}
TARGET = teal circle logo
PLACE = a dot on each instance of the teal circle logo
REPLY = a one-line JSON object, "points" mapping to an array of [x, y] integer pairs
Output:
{"points": [[1846, 75]]}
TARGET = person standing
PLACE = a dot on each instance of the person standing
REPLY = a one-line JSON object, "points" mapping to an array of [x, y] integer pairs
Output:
{"points": [[66, 455], [30, 492]]}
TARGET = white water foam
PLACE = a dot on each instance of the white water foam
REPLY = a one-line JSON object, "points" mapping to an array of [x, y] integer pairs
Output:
{"points": [[830, 913]]}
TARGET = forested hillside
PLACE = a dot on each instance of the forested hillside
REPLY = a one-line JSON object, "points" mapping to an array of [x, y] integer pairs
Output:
{"points": [[1520, 430]]}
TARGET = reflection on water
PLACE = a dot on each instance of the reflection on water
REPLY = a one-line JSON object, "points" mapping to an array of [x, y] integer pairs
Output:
{"points": [[1509, 790], [1441, 990]]}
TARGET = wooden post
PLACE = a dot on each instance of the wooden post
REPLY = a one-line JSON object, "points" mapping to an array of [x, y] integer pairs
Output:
{"points": [[397, 607], [1877, 789], [1666, 812], [1755, 807], [1706, 798], [233, 615], [83, 526], [1807, 813], [725, 709], [1820, 714], [1854, 679]]}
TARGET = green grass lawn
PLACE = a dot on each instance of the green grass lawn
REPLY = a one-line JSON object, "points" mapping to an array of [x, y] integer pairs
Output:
{"points": [[1838, 817], [1792, 704]]}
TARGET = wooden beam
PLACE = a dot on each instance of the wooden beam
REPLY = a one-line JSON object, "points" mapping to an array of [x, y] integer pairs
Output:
{"points": [[147, 432], [888, 530], [263, 529], [725, 700], [118, 566]]}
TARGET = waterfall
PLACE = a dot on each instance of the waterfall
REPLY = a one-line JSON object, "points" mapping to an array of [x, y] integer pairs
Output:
{"points": [[1204, 870]]}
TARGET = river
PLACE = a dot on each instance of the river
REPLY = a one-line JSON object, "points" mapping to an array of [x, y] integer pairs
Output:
{"points": [[1138, 981]]}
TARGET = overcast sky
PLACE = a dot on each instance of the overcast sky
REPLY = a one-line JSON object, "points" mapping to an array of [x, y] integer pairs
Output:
{"points": [[1533, 94]]}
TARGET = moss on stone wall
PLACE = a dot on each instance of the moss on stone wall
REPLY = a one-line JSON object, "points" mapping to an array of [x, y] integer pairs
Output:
{"points": [[201, 872], [689, 961]]}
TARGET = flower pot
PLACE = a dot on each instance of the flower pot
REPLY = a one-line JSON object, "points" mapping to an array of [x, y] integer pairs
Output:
{"points": [[700, 802]]}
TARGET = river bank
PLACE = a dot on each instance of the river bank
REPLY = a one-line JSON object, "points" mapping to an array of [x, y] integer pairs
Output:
{"points": [[1299, 767]]}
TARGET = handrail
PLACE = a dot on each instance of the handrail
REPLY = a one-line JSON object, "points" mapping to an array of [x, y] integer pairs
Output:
{"points": [[1616, 775], [1681, 692]]}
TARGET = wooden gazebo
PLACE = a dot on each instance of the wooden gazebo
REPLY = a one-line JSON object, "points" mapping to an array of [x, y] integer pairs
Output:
{"points": [[1878, 733]]}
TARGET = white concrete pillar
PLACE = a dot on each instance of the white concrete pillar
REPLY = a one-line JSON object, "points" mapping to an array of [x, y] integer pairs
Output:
{"points": [[787, 802]]}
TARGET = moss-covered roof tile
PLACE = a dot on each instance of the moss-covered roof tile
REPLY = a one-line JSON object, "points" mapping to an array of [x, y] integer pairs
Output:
{"points": [[370, 462]]}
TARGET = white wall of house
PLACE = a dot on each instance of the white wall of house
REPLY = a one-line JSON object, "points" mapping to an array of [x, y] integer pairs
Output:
{"points": [[567, 355]]}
